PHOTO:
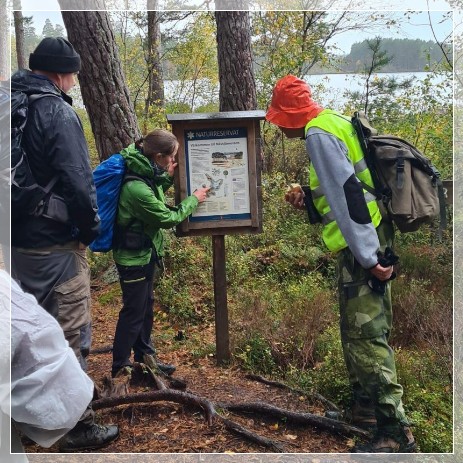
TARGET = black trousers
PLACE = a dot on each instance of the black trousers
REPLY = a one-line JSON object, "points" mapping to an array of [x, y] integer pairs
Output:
{"points": [[133, 330]]}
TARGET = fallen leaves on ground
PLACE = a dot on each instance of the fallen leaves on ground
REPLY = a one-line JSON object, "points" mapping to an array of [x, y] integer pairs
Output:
{"points": [[165, 427]]}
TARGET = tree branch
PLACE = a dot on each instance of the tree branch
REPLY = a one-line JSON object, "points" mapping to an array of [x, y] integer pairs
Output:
{"points": [[315, 395], [321, 422]]}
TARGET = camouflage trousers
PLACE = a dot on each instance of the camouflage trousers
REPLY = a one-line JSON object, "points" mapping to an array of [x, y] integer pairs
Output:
{"points": [[366, 322]]}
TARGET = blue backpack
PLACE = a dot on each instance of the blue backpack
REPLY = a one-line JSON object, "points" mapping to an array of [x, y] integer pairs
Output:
{"points": [[108, 177]]}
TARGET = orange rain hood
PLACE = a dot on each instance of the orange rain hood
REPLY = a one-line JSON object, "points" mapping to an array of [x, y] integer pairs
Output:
{"points": [[292, 105]]}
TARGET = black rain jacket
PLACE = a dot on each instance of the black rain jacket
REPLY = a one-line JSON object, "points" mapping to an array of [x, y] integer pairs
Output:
{"points": [[55, 145]]}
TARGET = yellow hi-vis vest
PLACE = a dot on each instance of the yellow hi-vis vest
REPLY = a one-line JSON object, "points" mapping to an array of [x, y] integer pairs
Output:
{"points": [[332, 122]]}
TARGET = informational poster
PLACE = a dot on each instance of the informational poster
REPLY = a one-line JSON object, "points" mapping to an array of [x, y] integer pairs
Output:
{"points": [[218, 158]]}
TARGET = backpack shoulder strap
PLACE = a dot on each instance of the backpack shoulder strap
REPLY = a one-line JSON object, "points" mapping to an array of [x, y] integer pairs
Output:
{"points": [[364, 131], [33, 97], [367, 128], [37, 96], [130, 175]]}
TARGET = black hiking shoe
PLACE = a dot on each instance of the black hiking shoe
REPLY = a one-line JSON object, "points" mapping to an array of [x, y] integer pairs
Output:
{"points": [[399, 441], [88, 437]]}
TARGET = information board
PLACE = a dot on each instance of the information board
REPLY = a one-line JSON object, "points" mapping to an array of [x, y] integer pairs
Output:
{"points": [[219, 159], [220, 151]]}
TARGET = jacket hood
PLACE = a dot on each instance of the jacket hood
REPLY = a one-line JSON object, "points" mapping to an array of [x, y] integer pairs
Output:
{"points": [[29, 83], [32, 84], [137, 162]]}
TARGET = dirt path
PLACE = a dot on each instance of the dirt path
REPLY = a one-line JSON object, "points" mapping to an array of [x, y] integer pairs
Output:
{"points": [[165, 427]]}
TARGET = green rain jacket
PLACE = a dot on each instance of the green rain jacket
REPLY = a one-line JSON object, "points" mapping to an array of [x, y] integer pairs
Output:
{"points": [[147, 205]]}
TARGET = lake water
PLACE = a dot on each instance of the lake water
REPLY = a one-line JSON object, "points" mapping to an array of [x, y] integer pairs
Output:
{"points": [[328, 89], [331, 89]]}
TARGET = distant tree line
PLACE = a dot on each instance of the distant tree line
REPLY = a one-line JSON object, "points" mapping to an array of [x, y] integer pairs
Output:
{"points": [[406, 55]]}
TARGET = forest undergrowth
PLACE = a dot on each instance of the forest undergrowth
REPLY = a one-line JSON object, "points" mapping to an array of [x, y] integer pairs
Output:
{"points": [[282, 300]]}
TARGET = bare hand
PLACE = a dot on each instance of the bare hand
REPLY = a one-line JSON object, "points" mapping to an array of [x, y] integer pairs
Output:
{"points": [[171, 168], [201, 194], [295, 196], [382, 273]]}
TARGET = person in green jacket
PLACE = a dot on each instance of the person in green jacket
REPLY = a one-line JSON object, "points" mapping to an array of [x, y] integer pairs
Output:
{"points": [[139, 243]]}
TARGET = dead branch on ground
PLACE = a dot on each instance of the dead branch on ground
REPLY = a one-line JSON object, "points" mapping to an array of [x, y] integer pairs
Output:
{"points": [[304, 419], [111, 397], [314, 395]]}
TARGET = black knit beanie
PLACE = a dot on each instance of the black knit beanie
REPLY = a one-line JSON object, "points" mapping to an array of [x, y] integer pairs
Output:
{"points": [[55, 55]]}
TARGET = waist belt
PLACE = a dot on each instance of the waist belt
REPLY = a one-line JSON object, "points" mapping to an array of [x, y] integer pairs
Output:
{"points": [[69, 246]]}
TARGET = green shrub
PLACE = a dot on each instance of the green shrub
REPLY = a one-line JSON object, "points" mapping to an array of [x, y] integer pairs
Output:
{"points": [[289, 317], [256, 355], [94, 158], [329, 376], [186, 289], [99, 262], [111, 297], [427, 398]]}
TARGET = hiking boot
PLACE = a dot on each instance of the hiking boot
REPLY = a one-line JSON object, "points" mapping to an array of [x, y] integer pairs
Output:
{"points": [[151, 362], [167, 368], [362, 416], [88, 437], [124, 372], [400, 441]]}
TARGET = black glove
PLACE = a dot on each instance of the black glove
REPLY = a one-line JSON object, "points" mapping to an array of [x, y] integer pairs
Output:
{"points": [[385, 260]]}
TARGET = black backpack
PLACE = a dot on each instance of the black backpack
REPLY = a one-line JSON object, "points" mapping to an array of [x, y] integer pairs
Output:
{"points": [[406, 182], [27, 196]]}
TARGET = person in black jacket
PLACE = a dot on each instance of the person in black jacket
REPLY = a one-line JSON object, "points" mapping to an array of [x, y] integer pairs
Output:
{"points": [[48, 255]]}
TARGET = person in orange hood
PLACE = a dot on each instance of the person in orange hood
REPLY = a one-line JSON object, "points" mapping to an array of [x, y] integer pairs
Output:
{"points": [[354, 228]]}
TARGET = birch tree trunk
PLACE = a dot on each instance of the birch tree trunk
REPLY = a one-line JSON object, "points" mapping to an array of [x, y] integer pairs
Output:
{"points": [[102, 83]]}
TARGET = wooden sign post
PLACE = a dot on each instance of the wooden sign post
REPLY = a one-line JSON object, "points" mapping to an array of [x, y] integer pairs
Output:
{"points": [[221, 151]]}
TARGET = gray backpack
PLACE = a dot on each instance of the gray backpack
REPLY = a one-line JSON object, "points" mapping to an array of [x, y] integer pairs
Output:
{"points": [[406, 183]]}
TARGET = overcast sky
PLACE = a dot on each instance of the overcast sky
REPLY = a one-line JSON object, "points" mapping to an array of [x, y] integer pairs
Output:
{"points": [[416, 27], [49, 5]]}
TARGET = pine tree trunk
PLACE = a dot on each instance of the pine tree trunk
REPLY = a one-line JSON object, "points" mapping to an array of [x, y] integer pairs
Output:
{"points": [[102, 83], [72, 5], [19, 33], [155, 77], [231, 5], [237, 84]]}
